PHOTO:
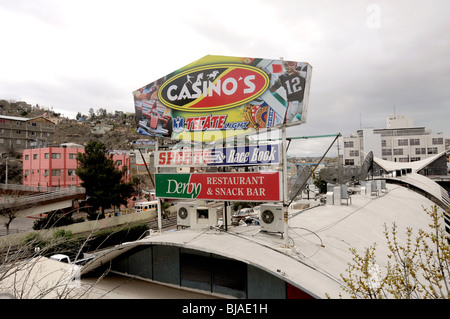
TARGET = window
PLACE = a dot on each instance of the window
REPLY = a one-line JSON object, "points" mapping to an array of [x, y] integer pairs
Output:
{"points": [[437, 141], [415, 159], [195, 270], [403, 142], [398, 151], [56, 155], [26, 172], [71, 172], [354, 153], [46, 172], [386, 152], [72, 156], [420, 151], [27, 157], [403, 159], [56, 172], [229, 275], [432, 150], [348, 144], [46, 155], [414, 141], [35, 156], [213, 273], [383, 143], [350, 161], [119, 162], [33, 124], [18, 132]]}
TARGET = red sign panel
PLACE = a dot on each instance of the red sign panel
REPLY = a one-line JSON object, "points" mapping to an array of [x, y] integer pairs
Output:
{"points": [[260, 186]]}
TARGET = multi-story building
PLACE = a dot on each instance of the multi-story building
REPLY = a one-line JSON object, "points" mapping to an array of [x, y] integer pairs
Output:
{"points": [[19, 133], [55, 166], [400, 141]]}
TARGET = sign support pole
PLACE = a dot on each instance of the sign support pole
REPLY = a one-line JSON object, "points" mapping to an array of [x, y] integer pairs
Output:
{"points": [[285, 188], [158, 200]]}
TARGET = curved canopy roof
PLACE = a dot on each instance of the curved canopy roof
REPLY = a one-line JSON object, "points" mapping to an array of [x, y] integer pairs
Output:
{"points": [[390, 166], [320, 239]]}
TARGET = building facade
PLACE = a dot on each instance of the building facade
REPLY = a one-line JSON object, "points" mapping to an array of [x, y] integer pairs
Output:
{"points": [[19, 133], [55, 166], [400, 141]]}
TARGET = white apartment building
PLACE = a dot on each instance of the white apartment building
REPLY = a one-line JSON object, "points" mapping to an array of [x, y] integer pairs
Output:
{"points": [[400, 141]]}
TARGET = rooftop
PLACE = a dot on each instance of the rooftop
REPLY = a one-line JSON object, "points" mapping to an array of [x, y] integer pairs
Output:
{"points": [[319, 237]]}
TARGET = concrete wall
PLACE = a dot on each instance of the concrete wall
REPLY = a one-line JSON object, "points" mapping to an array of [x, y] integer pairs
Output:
{"points": [[88, 226]]}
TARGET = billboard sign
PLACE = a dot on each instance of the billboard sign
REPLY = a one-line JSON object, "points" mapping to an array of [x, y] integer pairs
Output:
{"points": [[217, 97], [261, 186], [219, 156]]}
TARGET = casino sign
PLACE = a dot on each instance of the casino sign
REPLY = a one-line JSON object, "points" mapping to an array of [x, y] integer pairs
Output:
{"points": [[217, 97]]}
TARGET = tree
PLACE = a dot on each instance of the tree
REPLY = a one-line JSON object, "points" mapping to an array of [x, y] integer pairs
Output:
{"points": [[11, 205], [419, 269], [101, 112], [320, 184], [102, 178], [91, 114]]}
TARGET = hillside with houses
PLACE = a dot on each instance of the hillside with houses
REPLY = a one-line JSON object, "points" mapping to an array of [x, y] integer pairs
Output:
{"points": [[116, 130]]}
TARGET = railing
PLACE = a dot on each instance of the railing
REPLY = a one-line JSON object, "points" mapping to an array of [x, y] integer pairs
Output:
{"points": [[26, 188], [55, 193]]}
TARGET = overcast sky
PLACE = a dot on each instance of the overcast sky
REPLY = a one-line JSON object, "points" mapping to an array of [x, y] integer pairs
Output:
{"points": [[370, 59]]}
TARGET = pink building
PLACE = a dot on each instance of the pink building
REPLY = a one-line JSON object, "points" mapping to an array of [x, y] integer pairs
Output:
{"points": [[55, 166]]}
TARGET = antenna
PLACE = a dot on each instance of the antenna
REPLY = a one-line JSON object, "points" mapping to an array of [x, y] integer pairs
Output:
{"points": [[393, 97], [299, 184]]}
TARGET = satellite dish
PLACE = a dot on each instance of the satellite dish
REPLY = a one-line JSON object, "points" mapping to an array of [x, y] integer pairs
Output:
{"points": [[366, 167], [299, 184], [267, 216], [183, 213]]}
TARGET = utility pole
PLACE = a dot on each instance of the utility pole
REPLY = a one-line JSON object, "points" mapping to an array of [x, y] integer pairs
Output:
{"points": [[6, 173]]}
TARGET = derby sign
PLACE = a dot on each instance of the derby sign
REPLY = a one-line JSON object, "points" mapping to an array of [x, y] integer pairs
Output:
{"points": [[261, 186]]}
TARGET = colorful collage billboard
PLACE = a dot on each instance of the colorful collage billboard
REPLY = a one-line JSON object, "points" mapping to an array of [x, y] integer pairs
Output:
{"points": [[217, 97]]}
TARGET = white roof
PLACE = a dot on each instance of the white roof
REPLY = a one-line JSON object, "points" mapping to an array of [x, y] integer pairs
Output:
{"points": [[14, 118], [41, 277], [427, 185], [390, 166], [24, 119], [320, 237], [72, 145]]}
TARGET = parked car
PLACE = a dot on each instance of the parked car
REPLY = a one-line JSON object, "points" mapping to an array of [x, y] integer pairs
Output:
{"points": [[245, 214], [66, 259]]}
